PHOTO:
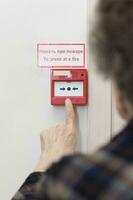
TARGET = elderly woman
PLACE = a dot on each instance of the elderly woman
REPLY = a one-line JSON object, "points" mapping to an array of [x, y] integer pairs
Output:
{"points": [[108, 174]]}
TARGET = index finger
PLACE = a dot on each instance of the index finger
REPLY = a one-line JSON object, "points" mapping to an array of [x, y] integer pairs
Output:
{"points": [[69, 112]]}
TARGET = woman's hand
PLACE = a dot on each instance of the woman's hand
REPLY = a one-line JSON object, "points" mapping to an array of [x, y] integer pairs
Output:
{"points": [[58, 141]]}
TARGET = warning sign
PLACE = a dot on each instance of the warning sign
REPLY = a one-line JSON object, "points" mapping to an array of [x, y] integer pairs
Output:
{"points": [[61, 55]]}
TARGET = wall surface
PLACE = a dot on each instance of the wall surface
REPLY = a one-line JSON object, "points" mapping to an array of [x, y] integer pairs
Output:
{"points": [[25, 107]]}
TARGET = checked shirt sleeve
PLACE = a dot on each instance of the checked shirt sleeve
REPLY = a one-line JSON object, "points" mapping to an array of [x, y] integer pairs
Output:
{"points": [[101, 176]]}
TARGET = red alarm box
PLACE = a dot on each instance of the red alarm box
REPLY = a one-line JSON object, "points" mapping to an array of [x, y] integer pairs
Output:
{"points": [[69, 83]]}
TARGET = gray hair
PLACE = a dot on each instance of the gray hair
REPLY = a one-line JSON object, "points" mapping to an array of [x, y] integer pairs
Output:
{"points": [[112, 43]]}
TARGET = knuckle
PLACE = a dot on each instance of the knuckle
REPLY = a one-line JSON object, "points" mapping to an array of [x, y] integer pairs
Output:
{"points": [[70, 126], [59, 126], [71, 129], [42, 134]]}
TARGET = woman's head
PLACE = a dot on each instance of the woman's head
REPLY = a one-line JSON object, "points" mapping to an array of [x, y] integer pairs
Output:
{"points": [[112, 43]]}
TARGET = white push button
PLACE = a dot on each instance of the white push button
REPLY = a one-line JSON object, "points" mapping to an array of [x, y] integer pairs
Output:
{"points": [[68, 89]]}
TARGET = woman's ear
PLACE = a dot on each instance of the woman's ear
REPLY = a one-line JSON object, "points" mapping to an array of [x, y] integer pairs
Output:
{"points": [[123, 106]]}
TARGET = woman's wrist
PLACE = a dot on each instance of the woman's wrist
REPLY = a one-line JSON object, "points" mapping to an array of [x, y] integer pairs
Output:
{"points": [[42, 165], [45, 162]]}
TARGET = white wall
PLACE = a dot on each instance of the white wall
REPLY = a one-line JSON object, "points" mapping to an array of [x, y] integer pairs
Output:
{"points": [[24, 89]]}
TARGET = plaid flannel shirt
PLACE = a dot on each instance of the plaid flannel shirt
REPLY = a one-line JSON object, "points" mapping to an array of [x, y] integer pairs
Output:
{"points": [[106, 175]]}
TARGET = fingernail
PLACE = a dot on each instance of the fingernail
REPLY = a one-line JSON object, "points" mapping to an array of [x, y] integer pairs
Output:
{"points": [[67, 100]]}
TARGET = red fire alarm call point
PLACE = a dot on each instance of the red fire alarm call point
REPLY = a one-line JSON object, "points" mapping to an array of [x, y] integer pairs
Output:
{"points": [[69, 83]]}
